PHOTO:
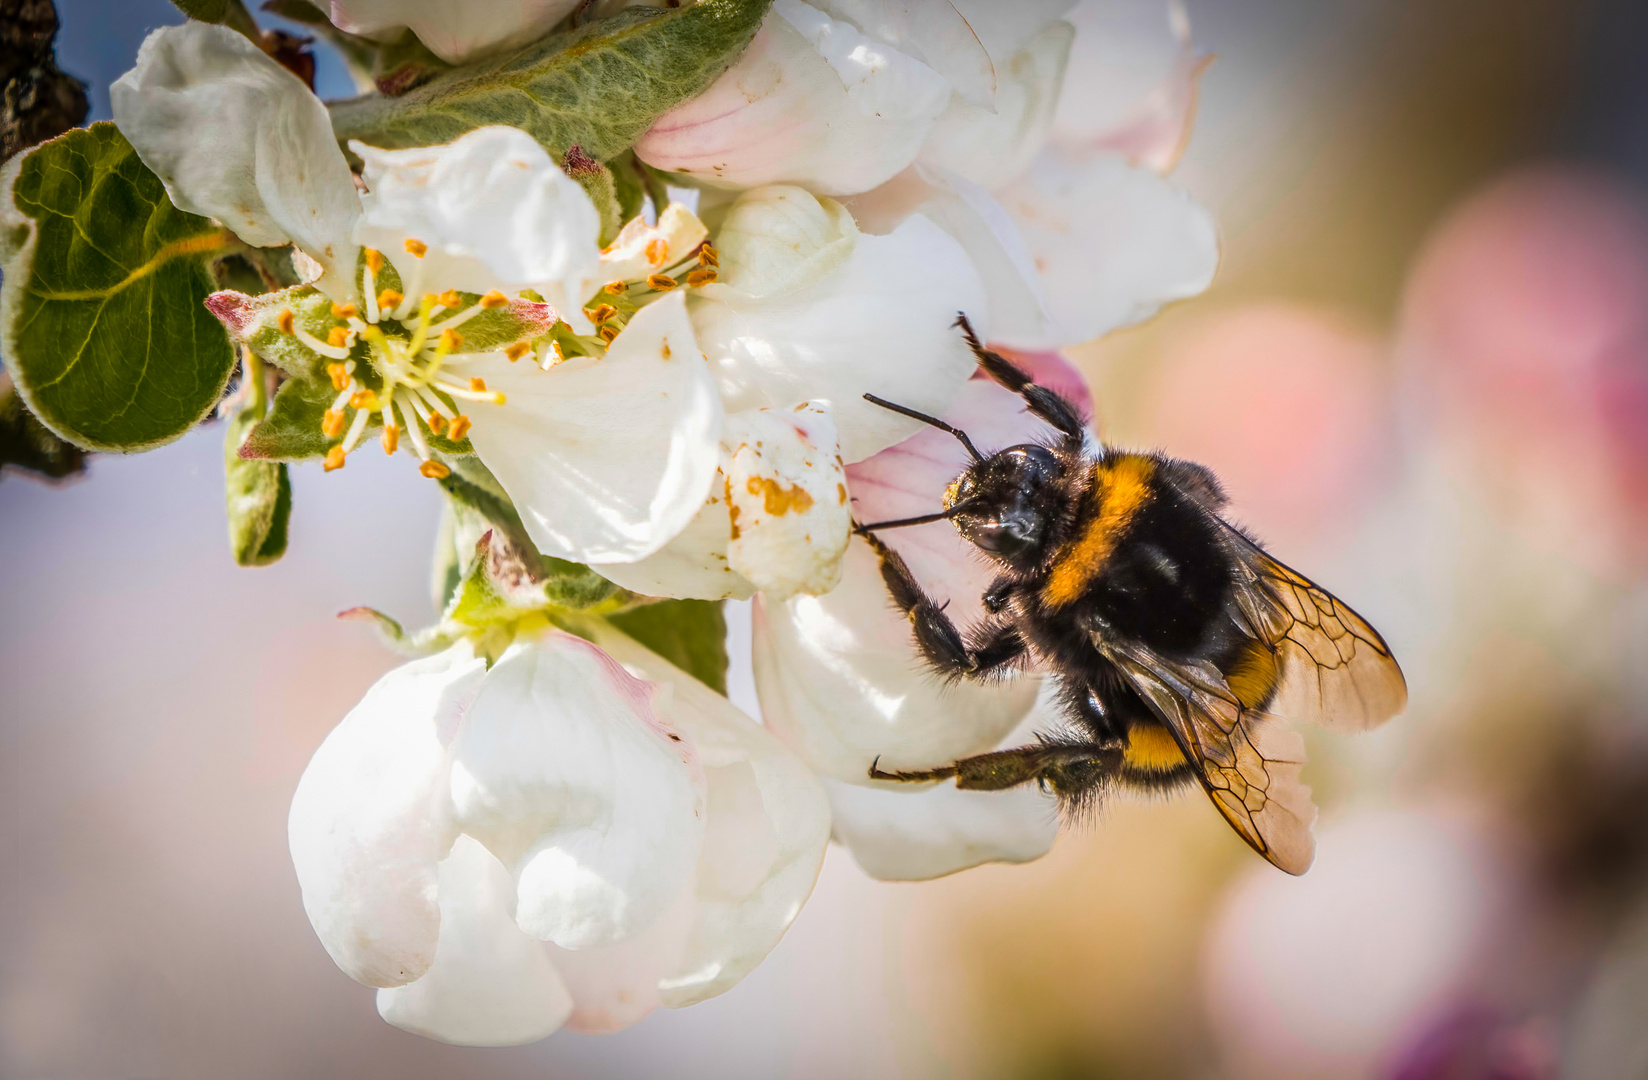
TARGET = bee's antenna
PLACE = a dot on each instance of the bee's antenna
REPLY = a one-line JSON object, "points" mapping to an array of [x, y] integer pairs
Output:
{"points": [[942, 515], [925, 419]]}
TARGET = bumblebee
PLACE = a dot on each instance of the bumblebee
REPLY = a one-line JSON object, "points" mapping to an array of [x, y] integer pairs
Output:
{"points": [[1179, 645]]}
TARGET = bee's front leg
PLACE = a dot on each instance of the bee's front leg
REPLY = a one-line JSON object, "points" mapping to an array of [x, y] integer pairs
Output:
{"points": [[992, 649]]}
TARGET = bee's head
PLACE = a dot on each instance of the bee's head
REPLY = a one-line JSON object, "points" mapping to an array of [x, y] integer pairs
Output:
{"points": [[1005, 503]]}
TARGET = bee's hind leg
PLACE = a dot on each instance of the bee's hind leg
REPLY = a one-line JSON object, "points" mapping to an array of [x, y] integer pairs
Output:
{"points": [[1066, 768]]}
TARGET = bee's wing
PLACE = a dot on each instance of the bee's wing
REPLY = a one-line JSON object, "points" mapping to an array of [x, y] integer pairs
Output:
{"points": [[1249, 762], [1335, 669]]}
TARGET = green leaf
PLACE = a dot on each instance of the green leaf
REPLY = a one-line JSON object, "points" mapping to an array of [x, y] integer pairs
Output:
{"points": [[101, 316], [258, 494], [691, 634], [598, 87], [26, 444]]}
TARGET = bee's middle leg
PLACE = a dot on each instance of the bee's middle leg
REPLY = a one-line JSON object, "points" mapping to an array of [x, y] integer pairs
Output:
{"points": [[989, 650]]}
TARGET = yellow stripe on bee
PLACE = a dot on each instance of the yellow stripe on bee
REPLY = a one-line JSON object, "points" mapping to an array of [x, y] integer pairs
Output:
{"points": [[1122, 486], [1254, 675], [1152, 749]]}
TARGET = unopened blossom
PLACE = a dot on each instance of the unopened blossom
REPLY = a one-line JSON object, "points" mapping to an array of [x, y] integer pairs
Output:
{"points": [[569, 836]]}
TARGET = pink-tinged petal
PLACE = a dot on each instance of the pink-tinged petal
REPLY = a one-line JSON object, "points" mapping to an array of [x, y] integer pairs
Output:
{"points": [[370, 820], [615, 986], [838, 676], [935, 32], [454, 30], [1157, 129], [1004, 29], [781, 114], [566, 772], [491, 984], [1132, 82]]}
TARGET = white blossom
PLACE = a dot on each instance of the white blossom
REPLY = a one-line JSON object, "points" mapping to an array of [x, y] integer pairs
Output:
{"points": [[454, 30], [558, 838]]}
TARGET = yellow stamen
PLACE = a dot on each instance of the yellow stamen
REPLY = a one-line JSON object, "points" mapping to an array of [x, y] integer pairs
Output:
{"points": [[389, 298], [284, 320], [615, 288], [477, 384], [459, 428], [364, 399], [331, 423], [702, 276], [661, 282], [437, 422], [334, 458], [374, 260], [451, 299], [434, 470], [517, 350], [450, 340], [666, 351], [708, 256], [416, 248], [607, 333], [343, 311], [600, 313], [658, 251], [494, 300], [338, 336], [340, 375], [391, 438]]}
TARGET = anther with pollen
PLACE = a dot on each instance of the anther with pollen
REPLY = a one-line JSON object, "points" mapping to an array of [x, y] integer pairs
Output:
{"points": [[451, 299], [494, 300], [331, 425], [364, 399], [607, 333], [338, 337], [660, 282], [334, 458], [391, 438], [339, 374], [708, 256], [416, 248], [343, 311], [517, 350], [374, 260], [434, 470], [658, 251], [702, 276], [389, 298], [459, 428], [600, 313], [284, 321], [477, 384], [615, 288], [451, 340]]}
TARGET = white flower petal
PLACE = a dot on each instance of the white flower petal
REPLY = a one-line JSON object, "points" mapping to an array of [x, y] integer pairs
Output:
{"points": [[880, 80], [568, 775], [1114, 242], [693, 566], [882, 323], [787, 495], [370, 820], [914, 833], [496, 213], [491, 984], [782, 115], [780, 239], [236, 137], [641, 249], [991, 146], [607, 459], [1019, 308], [841, 683], [454, 30], [769, 823], [614, 986], [932, 31]]}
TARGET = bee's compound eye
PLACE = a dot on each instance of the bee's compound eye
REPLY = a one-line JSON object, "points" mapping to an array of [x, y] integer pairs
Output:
{"points": [[1036, 464]]}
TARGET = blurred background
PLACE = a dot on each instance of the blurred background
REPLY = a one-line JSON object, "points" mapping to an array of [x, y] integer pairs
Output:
{"points": [[1423, 374]]}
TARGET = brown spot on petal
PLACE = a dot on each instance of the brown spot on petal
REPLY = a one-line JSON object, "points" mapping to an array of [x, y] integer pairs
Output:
{"points": [[777, 499]]}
